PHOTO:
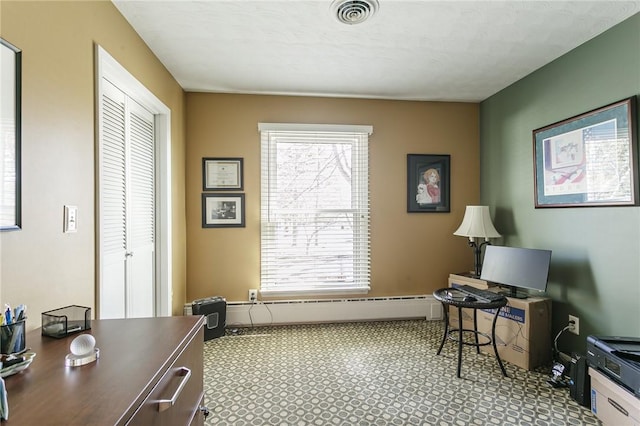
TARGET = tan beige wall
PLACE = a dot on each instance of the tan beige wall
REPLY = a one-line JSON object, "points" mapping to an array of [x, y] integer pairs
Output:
{"points": [[41, 266], [410, 253]]}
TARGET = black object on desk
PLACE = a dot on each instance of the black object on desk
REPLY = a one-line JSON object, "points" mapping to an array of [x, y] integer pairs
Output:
{"points": [[452, 297]]}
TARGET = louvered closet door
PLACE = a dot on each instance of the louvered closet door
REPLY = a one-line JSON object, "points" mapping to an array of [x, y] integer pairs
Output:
{"points": [[127, 200], [113, 214], [141, 229]]}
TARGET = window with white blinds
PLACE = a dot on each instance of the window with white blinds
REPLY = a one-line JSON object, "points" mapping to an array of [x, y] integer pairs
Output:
{"points": [[314, 208]]}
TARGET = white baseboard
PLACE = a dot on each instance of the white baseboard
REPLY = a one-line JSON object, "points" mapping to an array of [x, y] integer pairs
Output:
{"points": [[333, 310]]}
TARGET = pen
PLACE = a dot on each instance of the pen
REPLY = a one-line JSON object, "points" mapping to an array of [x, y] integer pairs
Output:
{"points": [[20, 312], [7, 314]]}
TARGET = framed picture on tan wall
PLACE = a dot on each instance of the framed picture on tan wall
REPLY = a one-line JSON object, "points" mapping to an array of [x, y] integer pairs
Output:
{"points": [[222, 174], [428, 183], [10, 140], [223, 210]]}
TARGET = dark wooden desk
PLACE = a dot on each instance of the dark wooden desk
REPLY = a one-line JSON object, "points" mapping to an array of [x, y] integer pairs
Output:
{"points": [[138, 364], [443, 297]]}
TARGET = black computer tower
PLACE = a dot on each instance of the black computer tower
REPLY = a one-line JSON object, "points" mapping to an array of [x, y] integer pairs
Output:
{"points": [[214, 310], [580, 383]]}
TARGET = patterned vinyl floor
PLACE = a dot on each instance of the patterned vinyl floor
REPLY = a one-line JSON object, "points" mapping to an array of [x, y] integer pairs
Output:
{"points": [[378, 373]]}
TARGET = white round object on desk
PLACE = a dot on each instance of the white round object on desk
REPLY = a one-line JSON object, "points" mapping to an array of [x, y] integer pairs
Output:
{"points": [[83, 345]]}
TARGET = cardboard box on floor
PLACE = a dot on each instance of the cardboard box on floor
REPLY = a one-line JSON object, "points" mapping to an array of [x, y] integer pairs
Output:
{"points": [[611, 403], [523, 328]]}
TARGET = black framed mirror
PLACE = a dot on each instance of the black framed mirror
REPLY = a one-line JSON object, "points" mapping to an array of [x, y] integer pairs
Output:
{"points": [[10, 132]]}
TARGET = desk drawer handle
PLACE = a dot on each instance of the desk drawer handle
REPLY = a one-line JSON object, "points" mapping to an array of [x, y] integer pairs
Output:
{"points": [[163, 404]]}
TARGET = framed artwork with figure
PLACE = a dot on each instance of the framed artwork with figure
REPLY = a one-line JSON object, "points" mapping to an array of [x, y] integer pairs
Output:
{"points": [[588, 160], [428, 183], [223, 210]]}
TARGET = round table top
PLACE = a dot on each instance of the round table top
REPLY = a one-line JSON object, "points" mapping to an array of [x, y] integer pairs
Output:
{"points": [[453, 297]]}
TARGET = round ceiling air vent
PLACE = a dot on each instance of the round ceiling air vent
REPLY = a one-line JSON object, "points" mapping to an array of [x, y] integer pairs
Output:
{"points": [[354, 11]]}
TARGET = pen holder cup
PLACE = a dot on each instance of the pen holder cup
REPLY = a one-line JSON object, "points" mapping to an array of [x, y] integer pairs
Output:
{"points": [[12, 337]]}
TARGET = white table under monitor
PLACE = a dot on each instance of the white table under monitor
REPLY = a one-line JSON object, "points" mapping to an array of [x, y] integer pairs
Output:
{"points": [[523, 329]]}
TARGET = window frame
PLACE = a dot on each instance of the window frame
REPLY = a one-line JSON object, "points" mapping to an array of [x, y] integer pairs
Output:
{"points": [[360, 203]]}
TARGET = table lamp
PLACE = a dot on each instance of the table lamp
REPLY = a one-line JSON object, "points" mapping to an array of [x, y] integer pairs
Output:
{"points": [[477, 224]]}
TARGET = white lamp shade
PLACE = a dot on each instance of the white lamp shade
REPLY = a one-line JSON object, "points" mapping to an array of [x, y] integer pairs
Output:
{"points": [[477, 224]]}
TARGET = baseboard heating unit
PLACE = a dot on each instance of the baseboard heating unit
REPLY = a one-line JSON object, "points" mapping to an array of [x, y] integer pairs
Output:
{"points": [[279, 312]]}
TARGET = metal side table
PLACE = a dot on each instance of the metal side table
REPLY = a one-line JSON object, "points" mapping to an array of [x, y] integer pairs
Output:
{"points": [[451, 297]]}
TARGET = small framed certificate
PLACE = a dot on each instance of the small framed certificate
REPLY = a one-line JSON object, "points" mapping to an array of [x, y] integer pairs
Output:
{"points": [[222, 174]]}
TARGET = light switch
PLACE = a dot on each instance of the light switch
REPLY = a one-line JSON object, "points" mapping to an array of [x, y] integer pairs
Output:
{"points": [[70, 219]]}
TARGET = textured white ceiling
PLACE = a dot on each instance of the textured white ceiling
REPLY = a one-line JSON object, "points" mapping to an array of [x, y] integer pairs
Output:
{"points": [[411, 50]]}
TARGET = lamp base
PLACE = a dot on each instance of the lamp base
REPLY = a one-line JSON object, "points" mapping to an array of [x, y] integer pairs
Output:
{"points": [[477, 251]]}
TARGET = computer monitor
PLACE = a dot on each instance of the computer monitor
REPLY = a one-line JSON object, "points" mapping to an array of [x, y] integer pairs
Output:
{"points": [[516, 268]]}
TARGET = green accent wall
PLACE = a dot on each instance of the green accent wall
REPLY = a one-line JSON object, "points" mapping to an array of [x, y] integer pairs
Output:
{"points": [[595, 270]]}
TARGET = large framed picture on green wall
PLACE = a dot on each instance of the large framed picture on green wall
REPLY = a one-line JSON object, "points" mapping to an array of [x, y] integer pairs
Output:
{"points": [[588, 160]]}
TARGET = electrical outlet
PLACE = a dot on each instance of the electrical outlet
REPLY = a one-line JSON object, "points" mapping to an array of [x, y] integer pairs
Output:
{"points": [[253, 295], [575, 327]]}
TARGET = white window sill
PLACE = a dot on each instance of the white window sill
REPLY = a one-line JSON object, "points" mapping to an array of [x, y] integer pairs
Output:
{"points": [[285, 292]]}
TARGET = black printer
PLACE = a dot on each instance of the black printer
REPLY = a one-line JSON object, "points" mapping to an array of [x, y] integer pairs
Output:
{"points": [[618, 358]]}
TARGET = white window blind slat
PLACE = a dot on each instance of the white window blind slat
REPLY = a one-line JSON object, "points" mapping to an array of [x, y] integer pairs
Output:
{"points": [[314, 209]]}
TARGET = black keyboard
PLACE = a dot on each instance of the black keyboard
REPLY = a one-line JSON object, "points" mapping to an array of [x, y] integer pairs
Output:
{"points": [[480, 294]]}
